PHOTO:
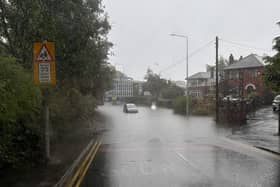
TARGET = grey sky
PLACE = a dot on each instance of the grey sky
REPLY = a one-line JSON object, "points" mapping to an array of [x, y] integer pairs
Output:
{"points": [[141, 28]]}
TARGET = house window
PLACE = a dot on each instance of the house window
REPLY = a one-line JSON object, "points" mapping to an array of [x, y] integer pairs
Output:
{"points": [[192, 83], [233, 75], [195, 93], [253, 73]]}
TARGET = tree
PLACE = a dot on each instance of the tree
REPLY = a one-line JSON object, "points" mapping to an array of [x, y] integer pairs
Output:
{"points": [[160, 87], [153, 83], [171, 91], [79, 29], [272, 69]]}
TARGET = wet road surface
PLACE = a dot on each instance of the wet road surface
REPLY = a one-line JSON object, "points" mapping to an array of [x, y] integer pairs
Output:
{"points": [[260, 130], [158, 148]]}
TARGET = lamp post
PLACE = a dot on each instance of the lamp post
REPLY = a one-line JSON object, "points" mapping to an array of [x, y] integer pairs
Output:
{"points": [[187, 68]]}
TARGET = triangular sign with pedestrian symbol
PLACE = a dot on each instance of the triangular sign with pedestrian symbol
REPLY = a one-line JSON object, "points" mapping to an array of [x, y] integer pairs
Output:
{"points": [[44, 55]]}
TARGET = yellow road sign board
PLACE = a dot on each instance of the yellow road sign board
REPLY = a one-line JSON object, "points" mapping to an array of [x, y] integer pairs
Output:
{"points": [[44, 64]]}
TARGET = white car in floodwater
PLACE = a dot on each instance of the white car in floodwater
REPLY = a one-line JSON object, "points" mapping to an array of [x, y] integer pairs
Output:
{"points": [[130, 108]]}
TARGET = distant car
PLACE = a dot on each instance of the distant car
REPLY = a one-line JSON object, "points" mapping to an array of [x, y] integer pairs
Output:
{"points": [[231, 98], [130, 108], [275, 103]]}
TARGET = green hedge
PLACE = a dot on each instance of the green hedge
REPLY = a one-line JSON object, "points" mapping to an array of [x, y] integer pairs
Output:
{"points": [[19, 114]]}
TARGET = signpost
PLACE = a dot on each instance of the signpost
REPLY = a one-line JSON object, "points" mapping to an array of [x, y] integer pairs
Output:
{"points": [[44, 75], [44, 64]]}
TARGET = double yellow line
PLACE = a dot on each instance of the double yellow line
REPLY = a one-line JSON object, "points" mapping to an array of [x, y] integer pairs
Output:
{"points": [[78, 177]]}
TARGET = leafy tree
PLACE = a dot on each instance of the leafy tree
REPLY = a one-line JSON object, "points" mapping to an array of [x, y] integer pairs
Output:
{"points": [[79, 29], [161, 87], [272, 69], [153, 83], [172, 91]]}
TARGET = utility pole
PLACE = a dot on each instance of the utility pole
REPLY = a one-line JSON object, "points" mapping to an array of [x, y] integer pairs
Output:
{"points": [[217, 79], [187, 77]]}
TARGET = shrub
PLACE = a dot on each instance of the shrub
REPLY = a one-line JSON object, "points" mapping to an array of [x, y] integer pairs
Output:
{"points": [[67, 107], [201, 111], [179, 104], [19, 114]]}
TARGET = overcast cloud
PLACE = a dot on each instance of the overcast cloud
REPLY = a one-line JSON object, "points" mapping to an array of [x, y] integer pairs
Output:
{"points": [[141, 28]]}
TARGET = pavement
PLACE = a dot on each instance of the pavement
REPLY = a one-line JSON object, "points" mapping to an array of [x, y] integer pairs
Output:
{"points": [[159, 148], [260, 131]]}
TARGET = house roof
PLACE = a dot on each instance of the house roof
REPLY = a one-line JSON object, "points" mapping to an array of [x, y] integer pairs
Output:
{"points": [[200, 75], [251, 61]]}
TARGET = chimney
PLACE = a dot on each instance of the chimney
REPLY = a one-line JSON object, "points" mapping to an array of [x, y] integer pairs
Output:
{"points": [[241, 57], [231, 59]]}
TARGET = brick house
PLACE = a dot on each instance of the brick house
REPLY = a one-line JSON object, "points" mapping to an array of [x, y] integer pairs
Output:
{"points": [[244, 76]]}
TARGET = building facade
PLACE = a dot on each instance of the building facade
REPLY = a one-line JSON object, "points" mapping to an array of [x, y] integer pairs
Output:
{"points": [[244, 77], [122, 87], [201, 84]]}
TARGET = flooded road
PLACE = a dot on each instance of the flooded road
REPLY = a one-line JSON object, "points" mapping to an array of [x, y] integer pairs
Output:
{"points": [[159, 148], [260, 130]]}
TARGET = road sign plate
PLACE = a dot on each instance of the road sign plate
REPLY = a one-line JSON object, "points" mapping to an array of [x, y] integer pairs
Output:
{"points": [[44, 72], [44, 64], [44, 55]]}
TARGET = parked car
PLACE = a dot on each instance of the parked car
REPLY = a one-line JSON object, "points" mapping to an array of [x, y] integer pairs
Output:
{"points": [[275, 103], [231, 98], [130, 108]]}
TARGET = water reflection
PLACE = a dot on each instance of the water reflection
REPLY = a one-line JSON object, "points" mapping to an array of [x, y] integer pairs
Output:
{"points": [[260, 130]]}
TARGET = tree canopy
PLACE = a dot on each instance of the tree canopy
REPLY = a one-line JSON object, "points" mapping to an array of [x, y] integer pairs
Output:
{"points": [[160, 87], [79, 29], [272, 70]]}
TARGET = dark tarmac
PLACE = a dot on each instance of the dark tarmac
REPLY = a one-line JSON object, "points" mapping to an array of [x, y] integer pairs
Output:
{"points": [[159, 148], [260, 130]]}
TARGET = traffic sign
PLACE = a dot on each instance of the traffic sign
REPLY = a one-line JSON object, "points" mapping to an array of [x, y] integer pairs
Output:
{"points": [[44, 64]]}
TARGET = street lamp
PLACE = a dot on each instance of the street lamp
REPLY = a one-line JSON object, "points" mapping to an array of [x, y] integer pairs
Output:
{"points": [[187, 68]]}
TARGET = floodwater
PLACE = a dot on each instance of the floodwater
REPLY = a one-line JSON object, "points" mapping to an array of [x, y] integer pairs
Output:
{"points": [[159, 148]]}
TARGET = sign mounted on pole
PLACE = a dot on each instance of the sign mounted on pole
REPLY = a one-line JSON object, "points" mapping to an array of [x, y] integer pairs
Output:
{"points": [[44, 64]]}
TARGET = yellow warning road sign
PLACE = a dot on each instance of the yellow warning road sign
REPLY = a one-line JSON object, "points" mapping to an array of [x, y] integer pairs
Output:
{"points": [[44, 63]]}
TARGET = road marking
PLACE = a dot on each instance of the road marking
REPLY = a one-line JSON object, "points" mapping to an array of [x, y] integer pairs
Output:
{"points": [[82, 166], [88, 164], [188, 162], [79, 174]]}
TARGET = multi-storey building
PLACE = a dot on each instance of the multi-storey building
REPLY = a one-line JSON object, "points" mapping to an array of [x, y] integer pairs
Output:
{"points": [[122, 87], [244, 76]]}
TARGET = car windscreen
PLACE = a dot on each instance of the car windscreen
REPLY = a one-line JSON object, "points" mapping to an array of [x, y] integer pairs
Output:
{"points": [[130, 106]]}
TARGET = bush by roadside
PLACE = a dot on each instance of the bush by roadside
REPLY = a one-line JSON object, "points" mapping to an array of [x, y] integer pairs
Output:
{"points": [[196, 107], [19, 115], [68, 106], [179, 105]]}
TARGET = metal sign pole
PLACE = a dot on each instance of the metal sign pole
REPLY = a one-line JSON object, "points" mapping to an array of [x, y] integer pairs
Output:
{"points": [[44, 75], [46, 118], [279, 119]]}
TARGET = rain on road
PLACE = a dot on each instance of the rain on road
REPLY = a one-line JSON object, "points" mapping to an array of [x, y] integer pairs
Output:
{"points": [[159, 148]]}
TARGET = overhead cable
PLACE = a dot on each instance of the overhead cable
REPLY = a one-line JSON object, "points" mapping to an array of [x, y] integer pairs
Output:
{"points": [[190, 56]]}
